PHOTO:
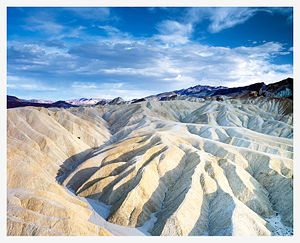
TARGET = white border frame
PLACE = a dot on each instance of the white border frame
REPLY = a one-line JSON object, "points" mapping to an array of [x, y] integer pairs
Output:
{"points": [[141, 3]]}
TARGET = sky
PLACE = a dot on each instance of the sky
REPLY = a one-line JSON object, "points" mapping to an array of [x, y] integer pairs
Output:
{"points": [[65, 53]]}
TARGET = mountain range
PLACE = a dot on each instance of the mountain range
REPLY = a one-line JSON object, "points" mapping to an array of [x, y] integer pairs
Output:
{"points": [[85, 101], [283, 88]]}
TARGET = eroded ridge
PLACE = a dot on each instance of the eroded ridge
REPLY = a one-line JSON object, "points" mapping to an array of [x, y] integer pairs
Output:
{"points": [[163, 168]]}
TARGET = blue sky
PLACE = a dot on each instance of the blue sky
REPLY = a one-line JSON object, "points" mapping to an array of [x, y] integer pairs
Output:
{"points": [[64, 53]]}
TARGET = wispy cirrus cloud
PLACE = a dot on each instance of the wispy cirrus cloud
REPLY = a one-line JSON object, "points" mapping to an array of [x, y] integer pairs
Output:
{"points": [[223, 18], [107, 90], [285, 11], [46, 25], [220, 18], [174, 32], [84, 85], [109, 29]]}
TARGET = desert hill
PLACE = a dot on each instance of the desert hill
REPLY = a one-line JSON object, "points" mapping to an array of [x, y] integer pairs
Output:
{"points": [[187, 166]]}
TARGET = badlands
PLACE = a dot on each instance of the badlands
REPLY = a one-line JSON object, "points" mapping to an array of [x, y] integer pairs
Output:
{"points": [[171, 168]]}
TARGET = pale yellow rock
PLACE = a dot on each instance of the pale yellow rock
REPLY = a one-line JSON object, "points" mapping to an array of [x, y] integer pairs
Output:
{"points": [[37, 204]]}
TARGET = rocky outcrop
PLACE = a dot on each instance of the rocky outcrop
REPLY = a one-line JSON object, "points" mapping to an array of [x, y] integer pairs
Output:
{"points": [[116, 101], [281, 89]]}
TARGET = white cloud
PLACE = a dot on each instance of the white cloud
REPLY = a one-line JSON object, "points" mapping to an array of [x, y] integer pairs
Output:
{"points": [[266, 50], [125, 66], [286, 11], [199, 64], [223, 18], [84, 85], [116, 85], [120, 64], [181, 81], [30, 87], [178, 77], [46, 26], [131, 71], [174, 32], [109, 29], [12, 78], [111, 85], [11, 86], [112, 92], [93, 85], [23, 83]]}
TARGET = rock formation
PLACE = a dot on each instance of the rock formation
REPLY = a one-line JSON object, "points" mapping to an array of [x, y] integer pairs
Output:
{"points": [[173, 167]]}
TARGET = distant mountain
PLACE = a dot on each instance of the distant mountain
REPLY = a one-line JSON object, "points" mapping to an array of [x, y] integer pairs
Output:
{"points": [[62, 104], [238, 91], [102, 102], [116, 101], [13, 101], [200, 90], [85, 101], [197, 91], [37, 101], [281, 89]]}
